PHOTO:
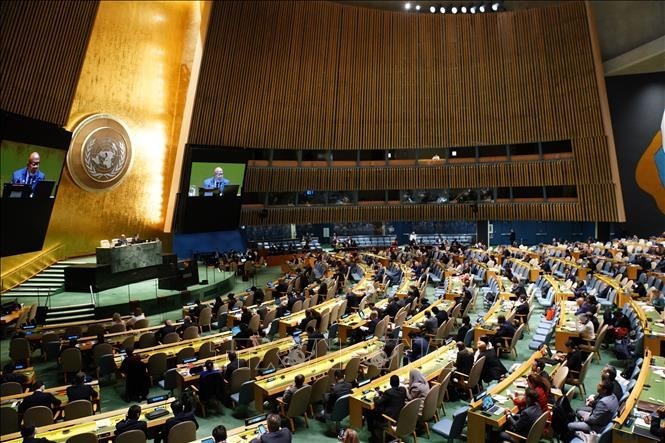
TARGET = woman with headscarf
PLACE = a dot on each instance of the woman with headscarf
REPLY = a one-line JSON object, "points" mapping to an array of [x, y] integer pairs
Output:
{"points": [[418, 387]]}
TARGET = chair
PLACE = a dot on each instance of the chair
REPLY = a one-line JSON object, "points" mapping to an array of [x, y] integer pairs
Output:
{"points": [[173, 337], [205, 319], [141, 324], [170, 382], [406, 422], [430, 406], [71, 361], [270, 359], [184, 354], [117, 327], [578, 381], [10, 388], [8, 420], [253, 364], [106, 366], [210, 389], [351, 370], [452, 429], [239, 376], [536, 431], [147, 340], [86, 437], [559, 379], [38, 416], [600, 338], [207, 349], [255, 323], [471, 381], [156, 367], [510, 348], [95, 329], [443, 392], [244, 397], [319, 388], [73, 330], [19, 350], [48, 339], [340, 411], [99, 351], [372, 372], [296, 407], [134, 436], [78, 409], [183, 432]]}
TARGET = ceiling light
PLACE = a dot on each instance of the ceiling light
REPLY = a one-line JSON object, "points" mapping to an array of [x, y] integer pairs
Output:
{"points": [[407, 6], [432, 9], [417, 7], [481, 8], [454, 10], [473, 9], [463, 9], [442, 9], [495, 6], [453, 153]]}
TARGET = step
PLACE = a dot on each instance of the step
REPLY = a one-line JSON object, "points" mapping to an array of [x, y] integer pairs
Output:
{"points": [[44, 281], [68, 319], [73, 307]]}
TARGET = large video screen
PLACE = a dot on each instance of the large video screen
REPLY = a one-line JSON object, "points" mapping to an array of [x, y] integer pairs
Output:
{"points": [[211, 189], [32, 157]]}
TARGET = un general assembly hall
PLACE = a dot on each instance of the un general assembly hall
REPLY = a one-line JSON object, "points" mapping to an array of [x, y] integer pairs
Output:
{"points": [[315, 221]]}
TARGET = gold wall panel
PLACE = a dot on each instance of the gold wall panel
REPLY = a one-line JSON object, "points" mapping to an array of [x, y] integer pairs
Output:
{"points": [[42, 49], [137, 68]]}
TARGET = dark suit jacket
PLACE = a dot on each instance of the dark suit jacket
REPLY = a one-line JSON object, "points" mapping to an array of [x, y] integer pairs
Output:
{"points": [[441, 317], [232, 366], [391, 402], [574, 360], [39, 398], [464, 361], [493, 368], [129, 424], [80, 392], [336, 391], [313, 339], [281, 436], [506, 330], [171, 422], [461, 332], [521, 423]]}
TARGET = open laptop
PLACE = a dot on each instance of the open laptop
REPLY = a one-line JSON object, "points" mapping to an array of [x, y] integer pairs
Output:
{"points": [[361, 314], [235, 330], [230, 190], [14, 190], [296, 338], [43, 189], [489, 406]]}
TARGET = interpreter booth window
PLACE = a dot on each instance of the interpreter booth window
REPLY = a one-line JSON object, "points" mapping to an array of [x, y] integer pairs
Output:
{"points": [[524, 151], [409, 196], [371, 197], [493, 153], [285, 157], [527, 192], [371, 157], [462, 195], [398, 157], [255, 198], [311, 197], [462, 154], [486, 195], [282, 199], [438, 196], [315, 157], [561, 192], [344, 157], [431, 155], [342, 198], [503, 194], [393, 196], [554, 149], [427, 196]]}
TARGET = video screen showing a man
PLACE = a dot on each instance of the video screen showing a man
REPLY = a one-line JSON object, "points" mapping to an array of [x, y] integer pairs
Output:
{"points": [[217, 181], [30, 174]]}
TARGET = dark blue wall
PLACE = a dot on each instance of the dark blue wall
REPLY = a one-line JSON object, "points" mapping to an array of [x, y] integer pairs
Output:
{"points": [[534, 232], [186, 245]]}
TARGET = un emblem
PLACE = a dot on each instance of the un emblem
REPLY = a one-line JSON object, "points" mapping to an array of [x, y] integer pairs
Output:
{"points": [[100, 154]]}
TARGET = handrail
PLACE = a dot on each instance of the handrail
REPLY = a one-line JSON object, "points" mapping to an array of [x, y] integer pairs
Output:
{"points": [[21, 273]]}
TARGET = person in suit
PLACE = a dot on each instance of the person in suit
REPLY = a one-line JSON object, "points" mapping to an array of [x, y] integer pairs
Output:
{"points": [[493, 369], [390, 344], [464, 360], [522, 308], [298, 382], [393, 307], [573, 358], [275, 434], [419, 346], [466, 326], [8, 375], [234, 363], [131, 422], [179, 416], [39, 398], [521, 423], [654, 422], [30, 175], [340, 388], [208, 368], [217, 181], [136, 375], [166, 329], [505, 330], [441, 315], [242, 340], [389, 403], [601, 413], [313, 337], [28, 435], [79, 390], [430, 325]]}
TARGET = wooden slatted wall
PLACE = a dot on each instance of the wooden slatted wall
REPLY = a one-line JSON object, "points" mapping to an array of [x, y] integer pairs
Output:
{"points": [[320, 75], [42, 50]]}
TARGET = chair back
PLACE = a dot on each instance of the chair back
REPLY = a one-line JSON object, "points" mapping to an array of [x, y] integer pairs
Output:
{"points": [[10, 388], [325, 321], [408, 417], [297, 306], [184, 354], [133, 436], [190, 333], [299, 402], [585, 367], [78, 409], [117, 327], [207, 350], [340, 409], [73, 330], [101, 349], [430, 404], [459, 419], [246, 393], [515, 339], [140, 324], [205, 317], [476, 371], [380, 330], [106, 365], [86, 437], [351, 369], [319, 388], [38, 416], [147, 340], [19, 349], [560, 377], [157, 365], [268, 319], [255, 323], [253, 364], [468, 337], [183, 432], [171, 337], [95, 329], [239, 376], [8, 420], [270, 358], [321, 348], [71, 360], [536, 431], [444, 388], [399, 318]]}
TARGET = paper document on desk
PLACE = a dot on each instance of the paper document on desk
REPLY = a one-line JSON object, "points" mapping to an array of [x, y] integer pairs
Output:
{"points": [[104, 423]]}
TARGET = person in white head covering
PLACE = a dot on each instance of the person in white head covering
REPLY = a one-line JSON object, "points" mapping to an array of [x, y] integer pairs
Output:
{"points": [[418, 386]]}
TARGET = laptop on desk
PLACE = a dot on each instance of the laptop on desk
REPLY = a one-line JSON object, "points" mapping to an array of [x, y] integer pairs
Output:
{"points": [[489, 407]]}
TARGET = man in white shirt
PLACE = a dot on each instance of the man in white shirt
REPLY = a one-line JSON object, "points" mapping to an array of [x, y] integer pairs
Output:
{"points": [[585, 328]]}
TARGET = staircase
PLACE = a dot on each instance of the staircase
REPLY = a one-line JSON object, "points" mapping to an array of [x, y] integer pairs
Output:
{"points": [[66, 314], [47, 282]]}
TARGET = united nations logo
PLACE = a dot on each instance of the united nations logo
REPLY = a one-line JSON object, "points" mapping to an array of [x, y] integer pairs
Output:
{"points": [[100, 153]]}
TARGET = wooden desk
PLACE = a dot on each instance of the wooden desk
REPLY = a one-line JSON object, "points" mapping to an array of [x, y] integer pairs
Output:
{"points": [[653, 325], [117, 338], [293, 320], [430, 365], [13, 316], [621, 297], [502, 306], [241, 296], [648, 390], [60, 392], [477, 421], [171, 349], [347, 325], [454, 287], [276, 383], [407, 282], [103, 425], [59, 328], [412, 324], [566, 328]]}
